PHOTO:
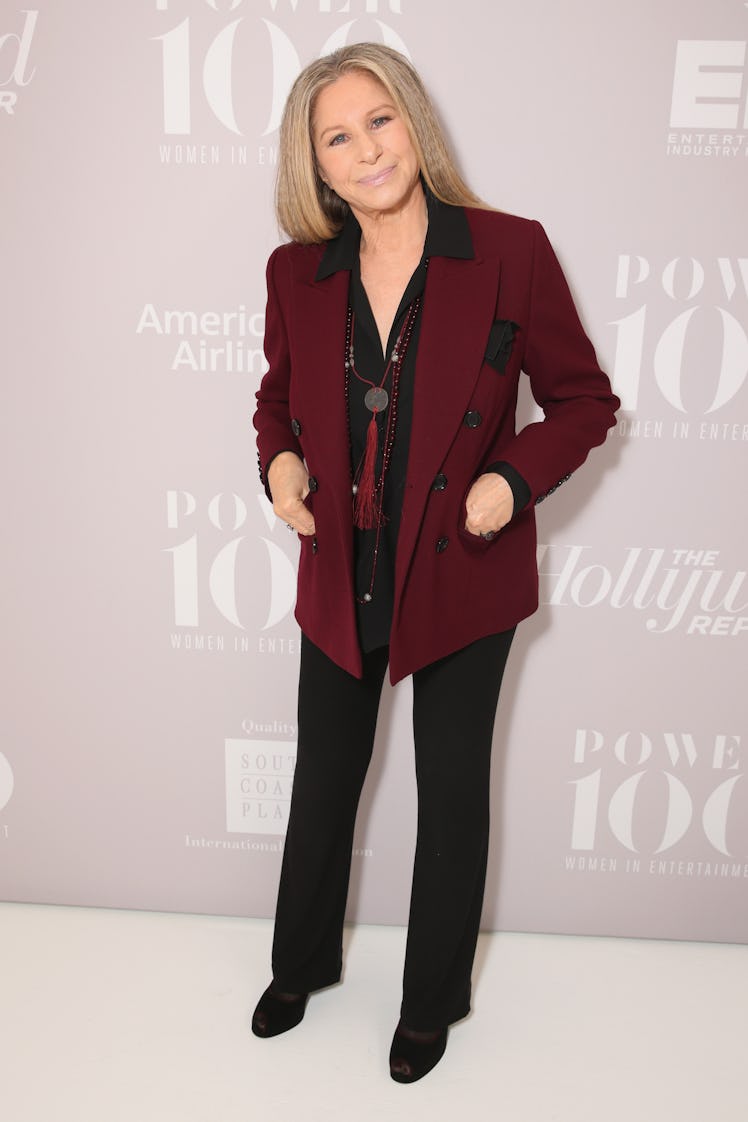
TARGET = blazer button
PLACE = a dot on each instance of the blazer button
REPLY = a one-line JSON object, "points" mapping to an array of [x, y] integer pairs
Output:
{"points": [[440, 483], [472, 418], [296, 427], [442, 544], [313, 484], [314, 544]]}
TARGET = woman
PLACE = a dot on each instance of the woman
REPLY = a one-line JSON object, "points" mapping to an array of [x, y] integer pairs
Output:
{"points": [[399, 318]]}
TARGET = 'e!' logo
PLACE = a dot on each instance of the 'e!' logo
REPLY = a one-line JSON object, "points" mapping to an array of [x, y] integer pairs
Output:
{"points": [[6, 782], [708, 84], [218, 64], [18, 74]]}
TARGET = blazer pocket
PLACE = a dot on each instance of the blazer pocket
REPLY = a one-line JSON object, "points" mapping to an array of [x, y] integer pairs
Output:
{"points": [[500, 342]]}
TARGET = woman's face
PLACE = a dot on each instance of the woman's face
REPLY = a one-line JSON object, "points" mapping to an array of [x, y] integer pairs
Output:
{"points": [[363, 148]]}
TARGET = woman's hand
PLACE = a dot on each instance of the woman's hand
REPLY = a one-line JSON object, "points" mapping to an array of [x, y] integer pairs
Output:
{"points": [[489, 504], [288, 481]]}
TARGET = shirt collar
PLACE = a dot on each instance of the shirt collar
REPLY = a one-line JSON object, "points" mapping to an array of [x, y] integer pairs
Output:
{"points": [[448, 235]]}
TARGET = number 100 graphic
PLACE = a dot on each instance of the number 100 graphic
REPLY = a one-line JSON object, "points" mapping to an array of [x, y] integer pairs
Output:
{"points": [[218, 59]]}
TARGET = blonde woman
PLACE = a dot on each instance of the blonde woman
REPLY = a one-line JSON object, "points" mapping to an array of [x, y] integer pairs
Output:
{"points": [[400, 316]]}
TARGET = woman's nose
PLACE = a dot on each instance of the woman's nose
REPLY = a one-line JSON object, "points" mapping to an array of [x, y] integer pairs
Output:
{"points": [[369, 149]]}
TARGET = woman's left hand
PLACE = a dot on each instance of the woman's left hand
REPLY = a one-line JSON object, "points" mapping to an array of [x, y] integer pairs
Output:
{"points": [[489, 504]]}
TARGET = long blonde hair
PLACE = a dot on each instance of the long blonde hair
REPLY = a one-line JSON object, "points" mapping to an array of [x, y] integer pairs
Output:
{"points": [[307, 209]]}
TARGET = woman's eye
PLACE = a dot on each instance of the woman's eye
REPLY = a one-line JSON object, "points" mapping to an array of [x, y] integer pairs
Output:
{"points": [[337, 139], [379, 121]]}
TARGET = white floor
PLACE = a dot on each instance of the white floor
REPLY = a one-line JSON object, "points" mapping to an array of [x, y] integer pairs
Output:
{"points": [[138, 1017]]}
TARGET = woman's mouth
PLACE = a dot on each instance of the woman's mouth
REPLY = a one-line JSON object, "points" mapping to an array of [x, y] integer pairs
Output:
{"points": [[376, 178]]}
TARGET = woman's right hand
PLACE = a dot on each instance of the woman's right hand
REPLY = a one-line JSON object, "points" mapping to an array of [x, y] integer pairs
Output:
{"points": [[288, 481]]}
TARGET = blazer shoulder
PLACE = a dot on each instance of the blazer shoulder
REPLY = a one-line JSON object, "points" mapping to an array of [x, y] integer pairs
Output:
{"points": [[296, 259], [499, 232]]}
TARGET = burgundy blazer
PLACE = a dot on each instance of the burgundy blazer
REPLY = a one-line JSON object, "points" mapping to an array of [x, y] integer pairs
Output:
{"points": [[451, 587]]}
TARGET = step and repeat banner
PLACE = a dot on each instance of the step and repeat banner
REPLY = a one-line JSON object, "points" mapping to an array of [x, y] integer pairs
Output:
{"points": [[150, 651]]}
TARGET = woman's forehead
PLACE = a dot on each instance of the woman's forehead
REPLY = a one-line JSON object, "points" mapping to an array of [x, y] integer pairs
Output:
{"points": [[348, 91]]}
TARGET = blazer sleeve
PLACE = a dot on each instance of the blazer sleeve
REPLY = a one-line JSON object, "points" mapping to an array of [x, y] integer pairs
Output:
{"points": [[566, 381], [272, 418]]}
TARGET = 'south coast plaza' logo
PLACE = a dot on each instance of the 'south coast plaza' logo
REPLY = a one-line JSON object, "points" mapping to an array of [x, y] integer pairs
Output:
{"points": [[259, 776], [16, 70], [221, 52]]}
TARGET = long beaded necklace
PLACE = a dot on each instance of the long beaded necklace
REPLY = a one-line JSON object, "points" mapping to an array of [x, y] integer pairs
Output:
{"points": [[368, 491]]}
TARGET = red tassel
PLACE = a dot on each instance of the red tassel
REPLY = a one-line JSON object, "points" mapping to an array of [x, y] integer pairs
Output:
{"points": [[365, 514]]}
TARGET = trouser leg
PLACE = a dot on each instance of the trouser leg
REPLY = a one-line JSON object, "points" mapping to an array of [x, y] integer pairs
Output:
{"points": [[337, 722], [454, 708]]}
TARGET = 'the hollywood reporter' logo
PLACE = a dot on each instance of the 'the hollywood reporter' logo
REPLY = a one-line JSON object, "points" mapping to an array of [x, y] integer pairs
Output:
{"points": [[16, 72], [676, 590]]}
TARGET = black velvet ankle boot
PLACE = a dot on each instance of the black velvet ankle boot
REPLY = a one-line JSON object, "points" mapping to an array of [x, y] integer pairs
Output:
{"points": [[278, 1012], [414, 1054]]}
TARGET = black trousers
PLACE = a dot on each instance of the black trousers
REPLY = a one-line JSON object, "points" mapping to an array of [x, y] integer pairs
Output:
{"points": [[454, 708]]}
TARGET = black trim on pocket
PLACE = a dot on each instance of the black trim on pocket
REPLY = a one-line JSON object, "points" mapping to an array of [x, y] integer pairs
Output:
{"points": [[500, 342]]}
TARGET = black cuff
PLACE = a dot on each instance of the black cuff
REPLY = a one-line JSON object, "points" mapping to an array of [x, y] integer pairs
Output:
{"points": [[520, 489]]}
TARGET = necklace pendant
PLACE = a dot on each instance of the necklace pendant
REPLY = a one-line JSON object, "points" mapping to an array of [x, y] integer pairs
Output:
{"points": [[376, 399]]}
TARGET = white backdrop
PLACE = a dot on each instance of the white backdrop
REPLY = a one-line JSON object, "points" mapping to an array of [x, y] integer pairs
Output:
{"points": [[150, 652]]}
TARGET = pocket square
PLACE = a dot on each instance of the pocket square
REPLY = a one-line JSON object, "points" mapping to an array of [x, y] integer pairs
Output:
{"points": [[500, 341]]}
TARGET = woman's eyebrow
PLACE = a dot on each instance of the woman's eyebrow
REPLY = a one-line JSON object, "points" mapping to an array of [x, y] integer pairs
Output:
{"points": [[369, 113]]}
